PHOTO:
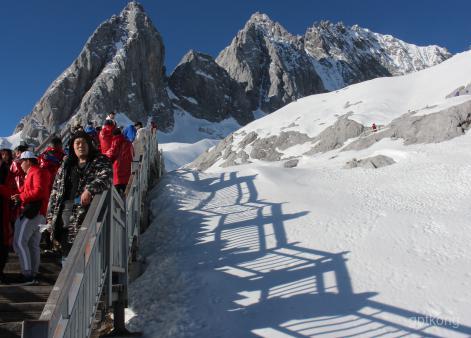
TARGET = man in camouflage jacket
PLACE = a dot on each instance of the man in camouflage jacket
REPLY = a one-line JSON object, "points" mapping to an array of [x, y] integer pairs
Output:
{"points": [[74, 186]]}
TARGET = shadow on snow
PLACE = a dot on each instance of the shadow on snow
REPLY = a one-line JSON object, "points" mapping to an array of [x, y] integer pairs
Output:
{"points": [[269, 287]]}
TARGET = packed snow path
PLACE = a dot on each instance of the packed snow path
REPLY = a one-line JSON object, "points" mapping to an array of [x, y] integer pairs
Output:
{"points": [[272, 252]]}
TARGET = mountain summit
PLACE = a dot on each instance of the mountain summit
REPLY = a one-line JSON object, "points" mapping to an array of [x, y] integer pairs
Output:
{"points": [[277, 67], [270, 63], [120, 68]]}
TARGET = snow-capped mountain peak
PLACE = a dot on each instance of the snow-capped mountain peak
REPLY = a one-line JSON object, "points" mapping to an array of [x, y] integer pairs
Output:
{"points": [[344, 55], [277, 67], [270, 29]]}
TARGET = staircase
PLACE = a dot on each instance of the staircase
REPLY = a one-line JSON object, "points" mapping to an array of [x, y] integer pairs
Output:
{"points": [[20, 302], [95, 277]]}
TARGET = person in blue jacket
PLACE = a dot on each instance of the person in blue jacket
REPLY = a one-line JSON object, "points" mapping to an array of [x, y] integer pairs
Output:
{"points": [[131, 130]]}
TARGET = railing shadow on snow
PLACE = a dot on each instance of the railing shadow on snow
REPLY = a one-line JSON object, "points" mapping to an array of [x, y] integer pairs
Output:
{"points": [[285, 288]]}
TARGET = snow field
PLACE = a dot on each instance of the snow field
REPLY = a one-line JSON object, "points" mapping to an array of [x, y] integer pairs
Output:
{"points": [[312, 251]]}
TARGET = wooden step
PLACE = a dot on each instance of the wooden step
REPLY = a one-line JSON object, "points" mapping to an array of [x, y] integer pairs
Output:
{"points": [[20, 302], [45, 278], [13, 267], [10, 330], [45, 255], [24, 293], [13, 312]]}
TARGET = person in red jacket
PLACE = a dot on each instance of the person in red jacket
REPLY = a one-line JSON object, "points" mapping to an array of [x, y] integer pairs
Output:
{"points": [[15, 167], [51, 158], [106, 136], [121, 154], [5, 225], [34, 198], [17, 176]]}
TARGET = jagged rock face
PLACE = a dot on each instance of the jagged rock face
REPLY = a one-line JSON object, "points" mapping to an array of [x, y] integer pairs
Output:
{"points": [[242, 147], [120, 68], [277, 67], [345, 55], [204, 89], [270, 63]]}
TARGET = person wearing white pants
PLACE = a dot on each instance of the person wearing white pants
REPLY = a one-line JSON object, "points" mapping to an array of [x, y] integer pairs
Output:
{"points": [[26, 244], [34, 197]]}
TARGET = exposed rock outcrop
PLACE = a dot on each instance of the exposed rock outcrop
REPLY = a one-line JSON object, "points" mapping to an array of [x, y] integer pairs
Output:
{"points": [[370, 162], [463, 90], [430, 128], [242, 147], [204, 89], [335, 136], [270, 63], [291, 163]]}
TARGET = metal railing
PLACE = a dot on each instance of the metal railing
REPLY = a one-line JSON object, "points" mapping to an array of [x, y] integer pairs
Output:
{"points": [[96, 269]]}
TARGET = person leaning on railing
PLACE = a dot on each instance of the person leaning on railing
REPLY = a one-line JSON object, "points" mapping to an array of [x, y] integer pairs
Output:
{"points": [[84, 174]]}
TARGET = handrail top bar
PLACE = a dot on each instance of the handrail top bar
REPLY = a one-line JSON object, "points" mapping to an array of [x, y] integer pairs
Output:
{"points": [[59, 292]]}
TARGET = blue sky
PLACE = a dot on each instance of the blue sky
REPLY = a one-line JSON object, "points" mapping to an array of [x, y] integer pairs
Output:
{"points": [[42, 38]]}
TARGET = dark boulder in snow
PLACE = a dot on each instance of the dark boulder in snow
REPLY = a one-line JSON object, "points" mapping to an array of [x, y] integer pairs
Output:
{"points": [[291, 163]]}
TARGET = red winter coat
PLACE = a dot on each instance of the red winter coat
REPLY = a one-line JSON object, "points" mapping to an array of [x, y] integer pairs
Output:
{"points": [[5, 194], [36, 188], [18, 174], [51, 160], [106, 138], [121, 153]]}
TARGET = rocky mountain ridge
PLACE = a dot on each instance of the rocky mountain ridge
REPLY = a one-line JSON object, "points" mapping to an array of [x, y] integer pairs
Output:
{"points": [[121, 68], [277, 67]]}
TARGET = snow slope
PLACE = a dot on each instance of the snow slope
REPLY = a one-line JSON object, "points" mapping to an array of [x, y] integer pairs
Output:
{"points": [[177, 154], [305, 128], [190, 137], [380, 100], [312, 251], [189, 129], [10, 142]]}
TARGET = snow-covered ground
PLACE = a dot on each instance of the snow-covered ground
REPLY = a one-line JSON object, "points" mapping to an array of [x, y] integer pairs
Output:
{"points": [[177, 154], [379, 100], [191, 137], [261, 250], [316, 250], [10, 142]]}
